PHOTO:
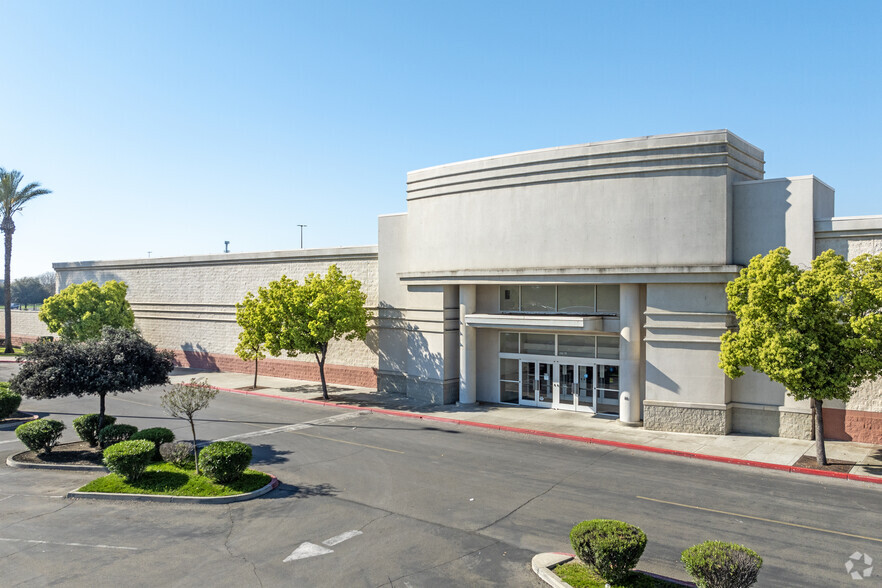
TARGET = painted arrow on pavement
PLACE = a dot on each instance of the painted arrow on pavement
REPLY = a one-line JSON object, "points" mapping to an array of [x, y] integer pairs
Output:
{"points": [[307, 549]]}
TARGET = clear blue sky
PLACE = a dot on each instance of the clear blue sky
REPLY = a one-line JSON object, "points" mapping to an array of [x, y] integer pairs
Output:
{"points": [[170, 126]]}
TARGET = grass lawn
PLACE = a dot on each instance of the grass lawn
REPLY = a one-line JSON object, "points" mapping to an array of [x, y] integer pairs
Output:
{"points": [[166, 478], [15, 351], [578, 575]]}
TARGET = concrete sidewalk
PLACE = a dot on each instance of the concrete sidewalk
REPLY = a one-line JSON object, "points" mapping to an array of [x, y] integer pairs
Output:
{"points": [[771, 452]]}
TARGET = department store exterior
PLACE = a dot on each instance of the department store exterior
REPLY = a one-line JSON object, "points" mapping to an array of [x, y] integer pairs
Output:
{"points": [[588, 278]]}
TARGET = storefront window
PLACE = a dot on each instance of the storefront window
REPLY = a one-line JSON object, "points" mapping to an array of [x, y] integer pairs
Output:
{"points": [[508, 369], [575, 345], [608, 347], [575, 299], [508, 342], [608, 299], [537, 343], [584, 299], [537, 298], [509, 298]]}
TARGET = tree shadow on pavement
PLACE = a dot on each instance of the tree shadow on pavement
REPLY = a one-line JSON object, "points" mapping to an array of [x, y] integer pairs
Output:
{"points": [[302, 491], [264, 454], [874, 467]]}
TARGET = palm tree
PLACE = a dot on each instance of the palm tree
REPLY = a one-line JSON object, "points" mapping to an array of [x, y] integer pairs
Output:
{"points": [[11, 201]]}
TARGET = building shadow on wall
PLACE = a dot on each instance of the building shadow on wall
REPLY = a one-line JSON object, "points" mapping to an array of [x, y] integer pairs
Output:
{"points": [[198, 357], [403, 349]]}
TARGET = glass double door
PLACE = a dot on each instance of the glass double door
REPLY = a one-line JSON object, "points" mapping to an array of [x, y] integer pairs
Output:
{"points": [[568, 386]]}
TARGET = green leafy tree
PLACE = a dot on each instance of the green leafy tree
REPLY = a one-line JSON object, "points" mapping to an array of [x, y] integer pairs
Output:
{"points": [[48, 281], [80, 311], [12, 200], [252, 317], [29, 291], [304, 318], [185, 400], [817, 331], [120, 361]]}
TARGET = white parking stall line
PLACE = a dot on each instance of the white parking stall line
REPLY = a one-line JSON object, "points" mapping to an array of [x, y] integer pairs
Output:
{"points": [[67, 544], [295, 427]]}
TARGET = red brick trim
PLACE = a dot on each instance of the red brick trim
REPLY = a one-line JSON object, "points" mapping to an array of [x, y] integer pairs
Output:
{"points": [[279, 368], [853, 425], [19, 340]]}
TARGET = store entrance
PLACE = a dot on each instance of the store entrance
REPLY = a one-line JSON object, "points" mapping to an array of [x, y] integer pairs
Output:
{"points": [[581, 386]]}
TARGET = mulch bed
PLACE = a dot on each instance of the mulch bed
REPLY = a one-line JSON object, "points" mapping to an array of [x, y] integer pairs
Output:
{"points": [[78, 453], [833, 465]]}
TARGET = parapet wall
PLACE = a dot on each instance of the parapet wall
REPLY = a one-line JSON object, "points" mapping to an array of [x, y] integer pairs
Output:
{"points": [[187, 305]]}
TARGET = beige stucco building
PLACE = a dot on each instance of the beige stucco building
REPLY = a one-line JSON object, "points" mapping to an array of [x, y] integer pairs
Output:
{"points": [[587, 278]]}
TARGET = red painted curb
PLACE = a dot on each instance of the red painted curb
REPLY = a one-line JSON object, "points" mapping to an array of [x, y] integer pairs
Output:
{"points": [[564, 436]]}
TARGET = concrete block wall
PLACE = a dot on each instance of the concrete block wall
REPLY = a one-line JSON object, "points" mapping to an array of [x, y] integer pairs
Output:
{"points": [[187, 305], [861, 418], [26, 326]]}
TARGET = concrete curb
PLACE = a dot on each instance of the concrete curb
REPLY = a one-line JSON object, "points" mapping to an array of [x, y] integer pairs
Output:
{"points": [[52, 466], [544, 563], [13, 424], [591, 440], [273, 484]]}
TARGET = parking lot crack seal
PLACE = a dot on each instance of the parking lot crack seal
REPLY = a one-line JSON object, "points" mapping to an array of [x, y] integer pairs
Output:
{"points": [[241, 555], [39, 515], [540, 495], [443, 563]]}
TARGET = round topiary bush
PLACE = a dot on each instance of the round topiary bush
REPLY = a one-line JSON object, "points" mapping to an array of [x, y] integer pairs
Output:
{"points": [[9, 401], [129, 459], [40, 435], [86, 427], [612, 548], [225, 461], [114, 434], [716, 564], [178, 453], [158, 435]]}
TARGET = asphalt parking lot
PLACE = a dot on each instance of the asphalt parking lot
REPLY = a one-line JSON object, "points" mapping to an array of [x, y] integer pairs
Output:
{"points": [[373, 500]]}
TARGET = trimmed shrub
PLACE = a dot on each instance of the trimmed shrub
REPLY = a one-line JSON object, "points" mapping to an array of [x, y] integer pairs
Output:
{"points": [[9, 401], [40, 435], [86, 427], [129, 459], [158, 435], [716, 564], [177, 453], [225, 461], [613, 548], [114, 434]]}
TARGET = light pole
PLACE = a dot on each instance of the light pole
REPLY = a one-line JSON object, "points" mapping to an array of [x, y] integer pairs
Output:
{"points": [[301, 235]]}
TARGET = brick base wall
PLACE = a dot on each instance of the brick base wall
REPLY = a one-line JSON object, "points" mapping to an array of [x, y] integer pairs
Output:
{"points": [[279, 368], [19, 340], [853, 425]]}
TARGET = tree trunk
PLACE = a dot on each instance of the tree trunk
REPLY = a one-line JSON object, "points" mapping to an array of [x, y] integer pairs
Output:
{"points": [[101, 411], [321, 363], [819, 433], [255, 372], [195, 452], [7, 286]]}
